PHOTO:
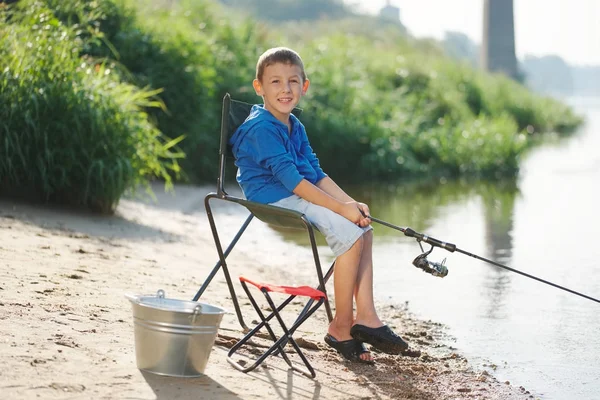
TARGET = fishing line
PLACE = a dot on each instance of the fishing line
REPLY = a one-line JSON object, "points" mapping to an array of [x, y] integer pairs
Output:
{"points": [[439, 269]]}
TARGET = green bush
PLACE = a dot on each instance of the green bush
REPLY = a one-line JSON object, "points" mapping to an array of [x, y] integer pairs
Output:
{"points": [[186, 50], [415, 115], [390, 106], [70, 130]]}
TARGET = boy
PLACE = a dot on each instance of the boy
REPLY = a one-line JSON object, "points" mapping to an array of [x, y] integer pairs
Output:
{"points": [[277, 166]]}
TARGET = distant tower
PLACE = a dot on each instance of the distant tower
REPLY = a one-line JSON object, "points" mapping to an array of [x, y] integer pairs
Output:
{"points": [[498, 47], [390, 12]]}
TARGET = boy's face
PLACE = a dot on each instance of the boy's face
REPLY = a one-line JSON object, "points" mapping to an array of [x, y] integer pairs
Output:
{"points": [[281, 88]]}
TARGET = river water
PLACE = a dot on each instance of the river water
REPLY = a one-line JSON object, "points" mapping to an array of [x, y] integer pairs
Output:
{"points": [[544, 223]]}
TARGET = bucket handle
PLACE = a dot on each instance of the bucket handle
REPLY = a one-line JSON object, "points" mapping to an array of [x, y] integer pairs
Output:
{"points": [[136, 299], [197, 312]]}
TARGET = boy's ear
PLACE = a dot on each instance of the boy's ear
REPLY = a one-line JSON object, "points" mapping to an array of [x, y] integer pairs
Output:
{"points": [[257, 87], [305, 86]]}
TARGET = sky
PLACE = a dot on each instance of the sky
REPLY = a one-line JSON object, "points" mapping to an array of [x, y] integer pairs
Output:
{"points": [[567, 28]]}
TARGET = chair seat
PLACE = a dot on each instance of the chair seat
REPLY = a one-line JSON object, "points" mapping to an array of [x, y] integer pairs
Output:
{"points": [[274, 215], [305, 291]]}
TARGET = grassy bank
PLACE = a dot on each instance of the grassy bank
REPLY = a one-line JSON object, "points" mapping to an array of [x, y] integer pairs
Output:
{"points": [[71, 131], [95, 95]]}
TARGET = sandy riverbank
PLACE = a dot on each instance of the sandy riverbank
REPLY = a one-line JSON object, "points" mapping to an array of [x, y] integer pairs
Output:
{"points": [[67, 329]]}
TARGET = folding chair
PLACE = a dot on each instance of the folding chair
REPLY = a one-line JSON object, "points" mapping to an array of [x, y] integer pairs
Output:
{"points": [[234, 113], [280, 342]]}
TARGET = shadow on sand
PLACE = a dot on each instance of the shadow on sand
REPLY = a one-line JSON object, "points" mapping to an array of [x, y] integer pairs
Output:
{"points": [[168, 388]]}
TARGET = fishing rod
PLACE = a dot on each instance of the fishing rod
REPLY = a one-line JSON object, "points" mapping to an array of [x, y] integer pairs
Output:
{"points": [[440, 270]]}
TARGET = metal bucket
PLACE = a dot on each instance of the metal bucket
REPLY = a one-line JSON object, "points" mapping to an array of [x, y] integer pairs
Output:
{"points": [[173, 337]]}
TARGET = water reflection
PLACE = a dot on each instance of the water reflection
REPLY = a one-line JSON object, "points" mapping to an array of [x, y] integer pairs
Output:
{"points": [[418, 204], [498, 201]]}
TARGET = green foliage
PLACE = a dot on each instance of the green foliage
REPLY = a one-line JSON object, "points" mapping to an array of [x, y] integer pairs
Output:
{"points": [[286, 10], [397, 116], [70, 130], [388, 105], [187, 51], [195, 57]]}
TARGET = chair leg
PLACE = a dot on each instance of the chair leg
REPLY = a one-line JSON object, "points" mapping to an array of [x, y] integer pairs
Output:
{"points": [[322, 280], [309, 371], [310, 302], [217, 266], [278, 347], [279, 344], [324, 290], [222, 263]]}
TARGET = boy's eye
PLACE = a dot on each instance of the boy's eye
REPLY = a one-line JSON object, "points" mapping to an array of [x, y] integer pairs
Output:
{"points": [[275, 81]]}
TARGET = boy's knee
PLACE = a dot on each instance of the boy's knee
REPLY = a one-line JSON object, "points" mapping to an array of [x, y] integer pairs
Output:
{"points": [[360, 241], [365, 241], [357, 245], [367, 238]]}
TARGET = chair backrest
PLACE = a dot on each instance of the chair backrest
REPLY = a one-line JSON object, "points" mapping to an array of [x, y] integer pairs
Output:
{"points": [[234, 113]]}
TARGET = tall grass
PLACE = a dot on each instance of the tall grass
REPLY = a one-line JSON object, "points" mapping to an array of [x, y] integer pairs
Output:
{"points": [[392, 105], [184, 48], [70, 130], [124, 80]]}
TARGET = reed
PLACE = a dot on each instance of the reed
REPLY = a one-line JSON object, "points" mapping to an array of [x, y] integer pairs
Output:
{"points": [[97, 95], [70, 130]]}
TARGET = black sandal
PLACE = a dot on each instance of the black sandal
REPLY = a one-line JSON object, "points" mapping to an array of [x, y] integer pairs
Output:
{"points": [[350, 349], [382, 338]]}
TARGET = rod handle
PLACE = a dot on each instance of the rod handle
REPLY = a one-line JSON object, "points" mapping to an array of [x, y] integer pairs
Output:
{"points": [[428, 239]]}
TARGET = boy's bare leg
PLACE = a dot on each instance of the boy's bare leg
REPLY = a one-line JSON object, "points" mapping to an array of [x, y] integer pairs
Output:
{"points": [[363, 291], [344, 282], [386, 341]]}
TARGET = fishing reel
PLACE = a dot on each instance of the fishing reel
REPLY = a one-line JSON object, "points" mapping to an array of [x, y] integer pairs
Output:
{"points": [[431, 267]]}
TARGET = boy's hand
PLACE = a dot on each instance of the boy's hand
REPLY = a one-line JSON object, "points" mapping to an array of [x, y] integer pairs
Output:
{"points": [[365, 213], [353, 211]]}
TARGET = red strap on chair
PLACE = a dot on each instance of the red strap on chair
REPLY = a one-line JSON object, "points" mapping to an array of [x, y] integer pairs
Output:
{"points": [[305, 291]]}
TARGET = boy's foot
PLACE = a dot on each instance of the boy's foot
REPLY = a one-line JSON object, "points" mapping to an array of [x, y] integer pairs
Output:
{"points": [[351, 349], [382, 338]]}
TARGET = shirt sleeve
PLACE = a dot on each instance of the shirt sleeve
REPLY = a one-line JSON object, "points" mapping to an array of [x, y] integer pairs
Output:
{"points": [[269, 151], [310, 155]]}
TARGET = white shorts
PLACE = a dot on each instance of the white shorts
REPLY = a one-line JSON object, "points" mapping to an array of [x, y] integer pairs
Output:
{"points": [[339, 232]]}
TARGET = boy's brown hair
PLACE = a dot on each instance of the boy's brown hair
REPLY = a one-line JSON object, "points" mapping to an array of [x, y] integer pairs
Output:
{"points": [[278, 55]]}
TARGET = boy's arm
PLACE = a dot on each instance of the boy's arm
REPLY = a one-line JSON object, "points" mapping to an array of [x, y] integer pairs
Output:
{"points": [[329, 186], [348, 209]]}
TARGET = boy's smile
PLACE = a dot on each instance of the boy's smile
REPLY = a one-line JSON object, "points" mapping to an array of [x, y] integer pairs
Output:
{"points": [[281, 88]]}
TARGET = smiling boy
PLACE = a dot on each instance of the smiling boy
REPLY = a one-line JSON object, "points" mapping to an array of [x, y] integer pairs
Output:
{"points": [[277, 166]]}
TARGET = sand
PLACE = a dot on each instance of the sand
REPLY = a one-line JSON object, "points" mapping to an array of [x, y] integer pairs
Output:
{"points": [[67, 329]]}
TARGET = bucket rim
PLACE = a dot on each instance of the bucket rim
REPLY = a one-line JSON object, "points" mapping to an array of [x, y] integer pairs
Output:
{"points": [[138, 299]]}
